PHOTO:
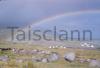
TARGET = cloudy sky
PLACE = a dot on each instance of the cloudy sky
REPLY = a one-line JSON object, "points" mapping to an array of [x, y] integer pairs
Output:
{"points": [[25, 12]]}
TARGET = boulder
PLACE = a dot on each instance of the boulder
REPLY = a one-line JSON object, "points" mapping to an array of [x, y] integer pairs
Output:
{"points": [[53, 57], [45, 60], [94, 64], [37, 59], [4, 58], [70, 56]]}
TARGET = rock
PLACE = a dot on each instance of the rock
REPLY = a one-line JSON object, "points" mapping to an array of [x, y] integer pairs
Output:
{"points": [[70, 56], [33, 52], [44, 60], [82, 60], [94, 64], [53, 57], [47, 52], [21, 60], [88, 60], [4, 58], [37, 59]]}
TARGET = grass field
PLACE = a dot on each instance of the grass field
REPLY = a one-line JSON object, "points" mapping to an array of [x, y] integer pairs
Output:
{"points": [[61, 63]]}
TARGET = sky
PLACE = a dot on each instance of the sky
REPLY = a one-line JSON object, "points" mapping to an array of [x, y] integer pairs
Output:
{"points": [[88, 20], [30, 12], [25, 12]]}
